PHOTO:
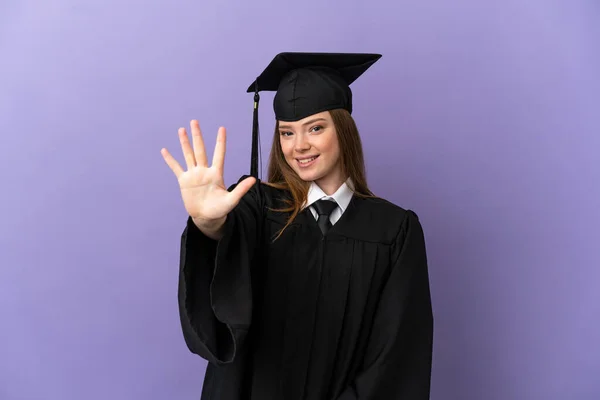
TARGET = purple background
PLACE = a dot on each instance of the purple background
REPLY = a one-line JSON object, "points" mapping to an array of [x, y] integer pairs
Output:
{"points": [[484, 117]]}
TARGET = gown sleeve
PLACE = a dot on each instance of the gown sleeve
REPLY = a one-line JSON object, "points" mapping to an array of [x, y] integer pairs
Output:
{"points": [[397, 362], [214, 290]]}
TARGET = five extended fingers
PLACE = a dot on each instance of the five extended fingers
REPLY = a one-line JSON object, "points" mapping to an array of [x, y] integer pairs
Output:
{"points": [[196, 156], [193, 156]]}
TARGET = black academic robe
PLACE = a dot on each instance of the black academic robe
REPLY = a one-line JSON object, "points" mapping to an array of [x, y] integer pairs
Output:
{"points": [[345, 316]]}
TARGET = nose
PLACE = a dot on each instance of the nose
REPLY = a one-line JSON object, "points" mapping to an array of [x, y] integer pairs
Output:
{"points": [[301, 143]]}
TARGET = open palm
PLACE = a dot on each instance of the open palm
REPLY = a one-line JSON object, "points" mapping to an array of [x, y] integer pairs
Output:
{"points": [[203, 190]]}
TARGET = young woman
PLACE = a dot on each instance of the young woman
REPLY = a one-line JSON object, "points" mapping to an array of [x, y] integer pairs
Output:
{"points": [[306, 286]]}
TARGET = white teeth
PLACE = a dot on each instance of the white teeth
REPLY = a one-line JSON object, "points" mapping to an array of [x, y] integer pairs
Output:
{"points": [[306, 161]]}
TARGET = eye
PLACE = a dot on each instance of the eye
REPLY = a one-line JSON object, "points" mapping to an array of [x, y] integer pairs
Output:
{"points": [[285, 133], [316, 128]]}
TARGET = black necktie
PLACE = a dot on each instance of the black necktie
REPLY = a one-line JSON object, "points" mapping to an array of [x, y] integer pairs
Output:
{"points": [[324, 209]]}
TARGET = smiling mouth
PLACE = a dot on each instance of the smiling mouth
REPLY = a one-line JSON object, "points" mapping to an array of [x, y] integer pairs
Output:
{"points": [[306, 161]]}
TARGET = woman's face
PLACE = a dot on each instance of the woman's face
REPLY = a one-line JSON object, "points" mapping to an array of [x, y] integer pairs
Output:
{"points": [[310, 146]]}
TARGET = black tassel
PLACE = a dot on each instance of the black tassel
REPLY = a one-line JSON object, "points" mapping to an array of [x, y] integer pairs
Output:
{"points": [[254, 154]]}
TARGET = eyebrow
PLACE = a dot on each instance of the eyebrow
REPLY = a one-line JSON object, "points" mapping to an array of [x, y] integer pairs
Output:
{"points": [[312, 121]]}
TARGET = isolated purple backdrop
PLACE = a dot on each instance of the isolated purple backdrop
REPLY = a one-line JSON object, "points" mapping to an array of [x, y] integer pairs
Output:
{"points": [[481, 116]]}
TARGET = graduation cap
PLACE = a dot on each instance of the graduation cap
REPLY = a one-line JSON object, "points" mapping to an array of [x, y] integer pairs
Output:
{"points": [[307, 84]]}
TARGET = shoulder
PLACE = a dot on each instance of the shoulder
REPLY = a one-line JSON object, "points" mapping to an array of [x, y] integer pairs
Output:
{"points": [[378, 206], [385, 213]]}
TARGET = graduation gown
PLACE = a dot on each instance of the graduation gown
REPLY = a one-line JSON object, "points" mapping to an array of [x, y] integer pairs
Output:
{"points": [[345, 316]]}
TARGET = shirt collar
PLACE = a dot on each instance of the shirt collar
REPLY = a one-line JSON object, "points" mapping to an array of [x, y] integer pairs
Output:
{"points": [[342, 196]]}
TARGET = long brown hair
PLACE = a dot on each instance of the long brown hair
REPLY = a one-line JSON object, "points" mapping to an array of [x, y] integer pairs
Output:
{"points": [[282, 176]]}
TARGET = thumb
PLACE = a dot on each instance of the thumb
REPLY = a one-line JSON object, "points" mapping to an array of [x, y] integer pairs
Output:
{"points": [[242, 188]]}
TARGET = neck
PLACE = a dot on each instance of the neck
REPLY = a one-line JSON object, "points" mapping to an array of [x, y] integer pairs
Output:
{"points": [[330, 184]]}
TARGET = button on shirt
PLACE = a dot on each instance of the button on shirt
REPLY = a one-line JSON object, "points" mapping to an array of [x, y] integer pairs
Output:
{"points": [[342, 197]]}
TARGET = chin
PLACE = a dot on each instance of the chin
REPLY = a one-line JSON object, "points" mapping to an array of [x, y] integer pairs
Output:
{"points": [[309, 176]]}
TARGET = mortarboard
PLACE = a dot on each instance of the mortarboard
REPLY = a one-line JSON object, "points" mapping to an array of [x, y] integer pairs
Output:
{"points": [[307, 84]]}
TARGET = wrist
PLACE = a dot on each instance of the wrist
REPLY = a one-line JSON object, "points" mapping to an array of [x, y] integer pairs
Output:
{"points": [[212, 227]]}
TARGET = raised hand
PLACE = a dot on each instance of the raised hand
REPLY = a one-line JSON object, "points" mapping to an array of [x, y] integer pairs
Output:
{"points": [[203, 191]]}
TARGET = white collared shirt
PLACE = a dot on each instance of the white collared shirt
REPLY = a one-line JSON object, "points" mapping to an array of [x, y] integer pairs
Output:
{"points": [[342, 197]]}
